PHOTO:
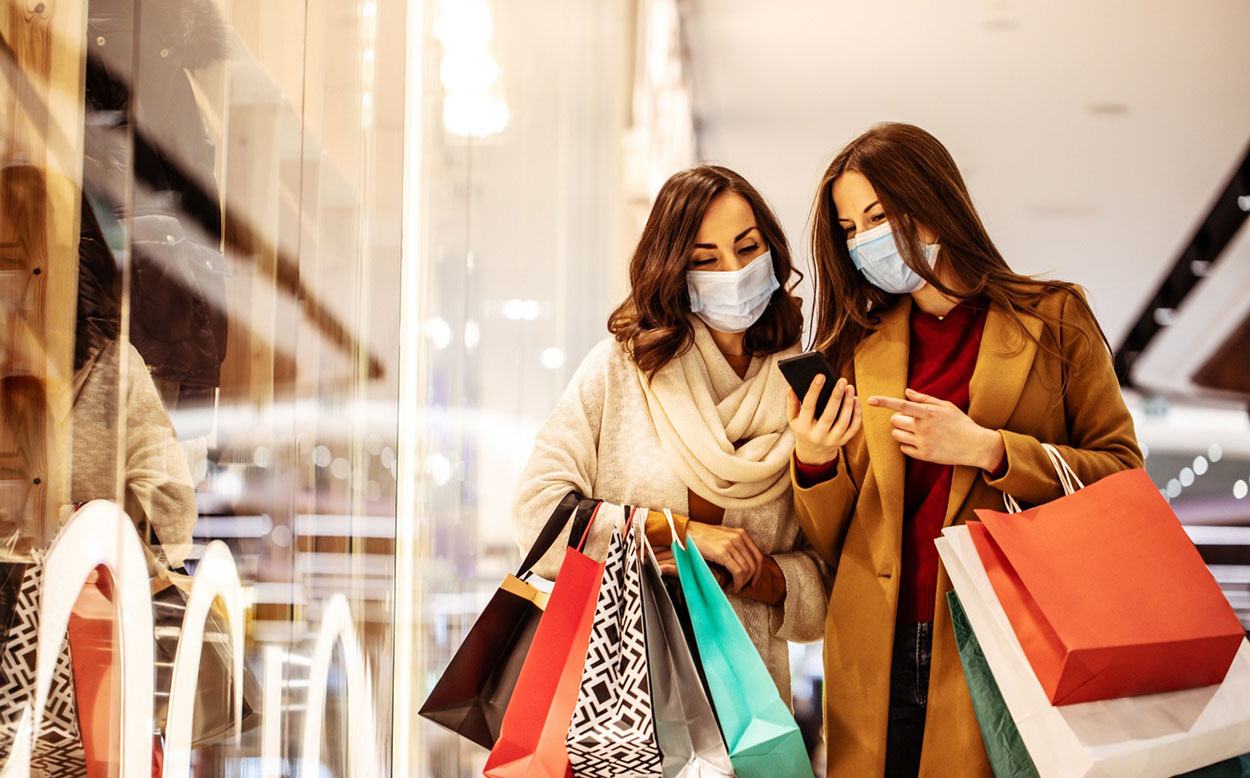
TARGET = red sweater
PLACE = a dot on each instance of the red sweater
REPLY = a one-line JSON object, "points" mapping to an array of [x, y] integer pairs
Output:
{"points": [[941, 359]]}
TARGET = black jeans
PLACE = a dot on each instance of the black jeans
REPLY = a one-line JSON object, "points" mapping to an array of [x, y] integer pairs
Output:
{"points": [[909, 697]]}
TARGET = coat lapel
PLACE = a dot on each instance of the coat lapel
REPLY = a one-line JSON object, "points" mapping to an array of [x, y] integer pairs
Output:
{"points": [[1003, 366], [881, 369]]}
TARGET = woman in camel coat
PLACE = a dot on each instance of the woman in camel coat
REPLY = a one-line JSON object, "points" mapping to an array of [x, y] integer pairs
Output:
{"points": [[967, 369]]}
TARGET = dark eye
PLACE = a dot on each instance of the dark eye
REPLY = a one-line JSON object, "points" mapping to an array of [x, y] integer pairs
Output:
{"points": [[703, 262], [878, 218], [749, 249]]}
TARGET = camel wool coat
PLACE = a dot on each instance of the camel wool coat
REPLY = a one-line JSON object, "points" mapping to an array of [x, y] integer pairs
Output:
{"points": [[854, 520]]}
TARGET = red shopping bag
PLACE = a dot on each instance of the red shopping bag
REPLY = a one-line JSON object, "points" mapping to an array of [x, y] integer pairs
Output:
{"points": [[1106, 592], [531, 738]]}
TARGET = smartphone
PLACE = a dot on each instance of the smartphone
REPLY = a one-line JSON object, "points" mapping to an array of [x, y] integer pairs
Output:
{"points": [[801, 370]]}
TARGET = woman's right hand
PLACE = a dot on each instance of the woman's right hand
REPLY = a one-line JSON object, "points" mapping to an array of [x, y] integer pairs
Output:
{"points": [[730, 547], [817, 440]]}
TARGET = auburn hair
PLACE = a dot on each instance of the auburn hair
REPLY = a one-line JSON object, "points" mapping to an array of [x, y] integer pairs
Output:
{"points": [[917, 183], [653, 322]]}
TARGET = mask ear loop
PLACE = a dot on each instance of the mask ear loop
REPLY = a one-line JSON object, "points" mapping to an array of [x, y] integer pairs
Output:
{"points": [[668, 515]]}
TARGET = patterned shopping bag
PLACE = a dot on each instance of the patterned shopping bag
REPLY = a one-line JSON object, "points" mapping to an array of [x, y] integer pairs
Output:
{"points": [[59, 748], [613, 728]]}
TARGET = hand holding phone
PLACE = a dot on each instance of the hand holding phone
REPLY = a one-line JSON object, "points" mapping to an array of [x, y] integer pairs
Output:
{"points": [[801, 370], [826, 414]]}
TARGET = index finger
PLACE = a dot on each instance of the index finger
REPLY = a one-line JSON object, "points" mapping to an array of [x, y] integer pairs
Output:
{"points": [[895, 404]]}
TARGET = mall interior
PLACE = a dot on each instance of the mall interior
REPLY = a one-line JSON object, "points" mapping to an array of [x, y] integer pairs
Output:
{"points": [[295, 284]]}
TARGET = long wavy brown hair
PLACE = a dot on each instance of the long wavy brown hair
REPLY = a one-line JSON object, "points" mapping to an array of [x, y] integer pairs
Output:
{"points": [[917, 183], [653, 322]]}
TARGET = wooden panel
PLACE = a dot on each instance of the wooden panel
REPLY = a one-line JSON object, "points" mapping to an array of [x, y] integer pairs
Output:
{"points": [[41, 126]]}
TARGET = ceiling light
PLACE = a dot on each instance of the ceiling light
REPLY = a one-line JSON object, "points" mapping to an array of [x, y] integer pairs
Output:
{"points": [[1164, 316], [1240, 489], [1174, 488], [321, 456], [1187, 477], [1215, 452], [1243, 202], [1200, 464], [552, 358]]}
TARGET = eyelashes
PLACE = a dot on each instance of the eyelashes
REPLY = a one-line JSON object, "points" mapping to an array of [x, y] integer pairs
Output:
{"points": [[705, 261]]}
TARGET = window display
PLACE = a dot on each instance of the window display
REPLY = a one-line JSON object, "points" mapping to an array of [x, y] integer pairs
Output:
{"points": [[199, 271]]}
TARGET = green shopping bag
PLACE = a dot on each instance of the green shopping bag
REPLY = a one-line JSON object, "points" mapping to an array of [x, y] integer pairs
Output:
{"points": [[762, 736], [1008, 756]]}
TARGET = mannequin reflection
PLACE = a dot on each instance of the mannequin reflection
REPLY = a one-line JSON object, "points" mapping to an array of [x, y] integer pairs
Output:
{"points": [[678, 411]]}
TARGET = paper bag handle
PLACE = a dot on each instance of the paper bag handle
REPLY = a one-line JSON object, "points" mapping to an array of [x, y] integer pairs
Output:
{"points": [[1068, 479], [672, 527]]}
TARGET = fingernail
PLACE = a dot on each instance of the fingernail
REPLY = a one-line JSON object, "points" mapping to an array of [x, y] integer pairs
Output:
{"points": [[820, 379]]}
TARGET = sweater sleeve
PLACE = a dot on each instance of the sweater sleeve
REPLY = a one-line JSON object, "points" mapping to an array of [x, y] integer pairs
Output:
{"points": [[564, 459], [159, 488], [1101, 439], [800, 618]]}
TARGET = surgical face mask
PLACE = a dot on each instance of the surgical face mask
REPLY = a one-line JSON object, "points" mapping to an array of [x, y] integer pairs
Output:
{"points": [[876, 255], [731, 301]]}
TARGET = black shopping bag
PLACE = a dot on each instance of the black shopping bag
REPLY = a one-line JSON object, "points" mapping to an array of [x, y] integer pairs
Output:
{"points": [[473, 693]]}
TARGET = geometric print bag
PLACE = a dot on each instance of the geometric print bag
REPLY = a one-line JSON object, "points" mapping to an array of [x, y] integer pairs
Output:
{"points": [[58, 750], [613, 728]]}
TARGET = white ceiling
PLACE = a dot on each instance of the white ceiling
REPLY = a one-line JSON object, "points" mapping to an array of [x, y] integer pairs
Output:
{"points": [[1104, 197]]}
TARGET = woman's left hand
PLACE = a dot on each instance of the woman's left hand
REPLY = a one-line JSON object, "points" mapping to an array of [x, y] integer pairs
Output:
{"points": [[668, 564], [934, 430]]}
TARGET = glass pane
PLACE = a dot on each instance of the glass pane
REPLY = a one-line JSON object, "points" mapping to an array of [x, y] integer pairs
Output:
{"points": [[205, 334]]}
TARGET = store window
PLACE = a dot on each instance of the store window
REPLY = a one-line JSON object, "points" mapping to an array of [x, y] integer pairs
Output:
{"points": [[200, 262]]}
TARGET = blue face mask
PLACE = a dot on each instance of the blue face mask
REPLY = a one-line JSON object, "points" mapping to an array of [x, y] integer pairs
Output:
{"points": [[731, 301], [876, 255]]}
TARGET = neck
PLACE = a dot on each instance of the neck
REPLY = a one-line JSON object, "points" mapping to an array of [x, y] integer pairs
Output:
{"points": [[933, 302], [731, 344]]}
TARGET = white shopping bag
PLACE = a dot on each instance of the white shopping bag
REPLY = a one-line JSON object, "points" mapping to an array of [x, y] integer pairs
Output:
{"points": [[1152, 735]]}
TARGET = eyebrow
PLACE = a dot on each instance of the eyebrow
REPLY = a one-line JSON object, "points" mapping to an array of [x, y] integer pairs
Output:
{"points": [[867, 208], [741, 235]]}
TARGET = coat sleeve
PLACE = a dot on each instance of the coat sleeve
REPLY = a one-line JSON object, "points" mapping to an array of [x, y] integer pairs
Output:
{"points": [[824, 509], [1101, 439], [564, 459]]}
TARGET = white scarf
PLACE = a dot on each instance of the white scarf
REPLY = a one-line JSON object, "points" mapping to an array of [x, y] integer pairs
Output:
{"points": [[700, 408]]}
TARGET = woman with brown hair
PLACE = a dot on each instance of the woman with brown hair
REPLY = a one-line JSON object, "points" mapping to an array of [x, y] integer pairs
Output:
{"points": [[968, 368], [684, 409]]}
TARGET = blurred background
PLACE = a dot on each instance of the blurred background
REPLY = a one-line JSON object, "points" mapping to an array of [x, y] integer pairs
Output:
{"points": [[355, 250]]}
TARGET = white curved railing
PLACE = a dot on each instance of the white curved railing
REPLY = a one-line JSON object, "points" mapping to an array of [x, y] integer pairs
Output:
{"points": [[78, 550]]}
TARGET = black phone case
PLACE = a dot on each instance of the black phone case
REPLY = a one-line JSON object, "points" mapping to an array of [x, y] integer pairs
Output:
{"points": [[801, 370]]}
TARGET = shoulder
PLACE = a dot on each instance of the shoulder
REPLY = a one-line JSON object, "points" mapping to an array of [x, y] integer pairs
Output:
{"points": [[608, 355], [1064, 300], [1065, 311], [607, 363]]}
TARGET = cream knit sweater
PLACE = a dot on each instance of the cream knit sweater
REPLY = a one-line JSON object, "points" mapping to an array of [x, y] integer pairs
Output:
{"points": [[600, 441]]}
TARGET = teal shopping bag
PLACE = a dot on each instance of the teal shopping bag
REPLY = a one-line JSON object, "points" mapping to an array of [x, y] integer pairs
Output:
{"points": [[762, 736]]}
